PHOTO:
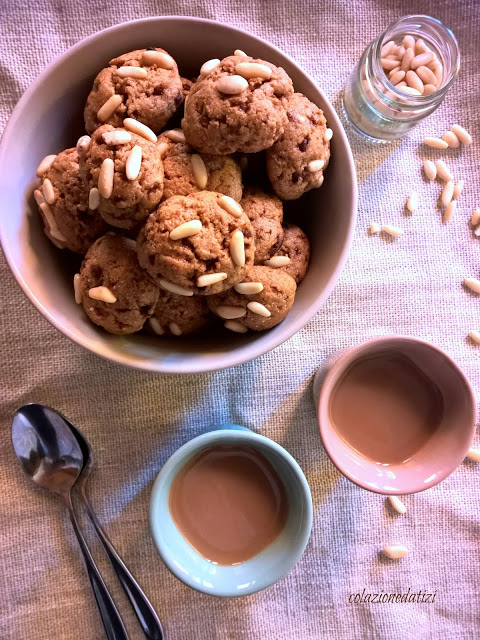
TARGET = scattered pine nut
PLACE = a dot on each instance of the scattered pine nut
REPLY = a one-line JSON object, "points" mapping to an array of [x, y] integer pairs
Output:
{"points": [[430, 169], [248, 288], [131, 72], [277, 262], [110, 106], [473, 284], [397, 77], [475, 219], [156, 327], [199, 169], [250, 70], [174, 288], [175, 135], [443, 172], [48, 191], [395, 551], [134, 162], [56, 233], [230, 206], [76, 288], [237, 248], [162, 147], [231, 85], [435, 143], [186, 230], [395, 232], [211, 278], [457, 190], [175, 329], [449, 210], [83, 144], [259, 309], [462, 134], [407, 59], [328, 135], [474, 454], [94, 199], [451, 139], [420, 46], [230, 312], [140, 129], [388, 64], [387, 48], [414, 81], [234, 325], [208, 66], [106, 178], [315, 165], [412, 202], [411, 91], [239, 52], [428, 89], [375, 228], [408, 42], [421, 60], [475, 336], [45, 165], [38, 195], [159, 59], [397, 504], [48, 215], [116, 137], [447, 193], [426, 75], [103, 294]]}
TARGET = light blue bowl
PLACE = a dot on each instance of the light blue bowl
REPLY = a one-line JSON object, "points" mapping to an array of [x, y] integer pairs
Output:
{"points": [[262, 570]]}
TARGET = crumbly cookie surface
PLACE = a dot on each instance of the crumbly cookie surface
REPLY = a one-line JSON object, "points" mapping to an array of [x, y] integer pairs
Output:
{"points": [[303, 142], [265, 212], [152, 100], [178, 316], [296, 246]]}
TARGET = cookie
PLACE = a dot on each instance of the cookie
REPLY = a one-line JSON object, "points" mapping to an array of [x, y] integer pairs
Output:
{"points": [[130, 200], [257, 311], [115, 292], [222, 172], [220, 122], [151, 98], [296, 248], [297, 160], [177, 315], [63, 202], [212, 257], [186, 85], [266, 214]]}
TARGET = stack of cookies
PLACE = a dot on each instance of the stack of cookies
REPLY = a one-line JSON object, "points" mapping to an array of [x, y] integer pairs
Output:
{"points": [[176, 225]]}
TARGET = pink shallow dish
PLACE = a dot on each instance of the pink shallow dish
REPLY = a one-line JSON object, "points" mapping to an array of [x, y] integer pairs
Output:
{"points": [[49, 118]]}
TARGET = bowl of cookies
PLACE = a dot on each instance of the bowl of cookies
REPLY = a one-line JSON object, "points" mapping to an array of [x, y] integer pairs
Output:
{"points": [[181, 196]]}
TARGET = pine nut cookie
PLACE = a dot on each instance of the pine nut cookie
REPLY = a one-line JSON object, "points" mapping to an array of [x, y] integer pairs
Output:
{"points": [[127, 193], [257, 311], [266, 214], [114, 291], [297, 160], [63, 203], [181, 176], [226, 112], [178, 316], [147, 87], [192, 242], [296, 248]]}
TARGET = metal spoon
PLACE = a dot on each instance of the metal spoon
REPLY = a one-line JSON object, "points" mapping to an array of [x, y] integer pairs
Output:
{"points": [[148, 618], [51, 456]]}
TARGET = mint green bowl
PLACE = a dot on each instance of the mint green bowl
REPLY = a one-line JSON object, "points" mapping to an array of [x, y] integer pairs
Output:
{"points": [[264, 569]]}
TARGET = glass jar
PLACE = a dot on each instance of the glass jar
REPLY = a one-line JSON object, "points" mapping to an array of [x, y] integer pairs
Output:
{"points": [[382, 111]]}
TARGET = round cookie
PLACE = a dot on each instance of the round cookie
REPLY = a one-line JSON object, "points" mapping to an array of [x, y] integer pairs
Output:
{"points": [[130, 201], [112, 262], [295, 246], [294, 162], [152, 99], [177, 315], [68, 221], [266, 214], [212, 251], [220, 123], [223, 172], [276, 298]]}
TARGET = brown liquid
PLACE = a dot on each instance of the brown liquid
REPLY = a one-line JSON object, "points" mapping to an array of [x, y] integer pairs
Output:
{"points": [[228, 503], [386, 408]]}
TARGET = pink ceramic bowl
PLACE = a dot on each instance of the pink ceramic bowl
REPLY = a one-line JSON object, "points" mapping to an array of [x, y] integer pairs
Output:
{"points": [[445, 449], [49, 118]]}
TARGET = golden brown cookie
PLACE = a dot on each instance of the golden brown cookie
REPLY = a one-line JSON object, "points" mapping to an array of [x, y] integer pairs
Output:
{"points": [[181, 177], [115, 292], [177, 315], [296, 248], [250, 120], [152, 98], [297, 160], [265, 212], [257, 311], [63, 202], [195, 243], [130, 200]]}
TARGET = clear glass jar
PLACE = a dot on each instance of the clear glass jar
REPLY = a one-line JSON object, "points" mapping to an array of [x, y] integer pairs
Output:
{"points": [[380, 110]]}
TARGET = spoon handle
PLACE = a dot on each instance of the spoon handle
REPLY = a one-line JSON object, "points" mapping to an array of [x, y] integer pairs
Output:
{"points": [[148, 618], [114, 627]]}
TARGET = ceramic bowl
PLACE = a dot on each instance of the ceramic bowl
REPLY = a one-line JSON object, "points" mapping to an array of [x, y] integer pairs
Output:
{"points": [[446, 447], [264, 569], [49, 118]]}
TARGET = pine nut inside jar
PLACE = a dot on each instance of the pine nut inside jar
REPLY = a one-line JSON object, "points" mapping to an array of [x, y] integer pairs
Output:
{"points": [[401, 78]]}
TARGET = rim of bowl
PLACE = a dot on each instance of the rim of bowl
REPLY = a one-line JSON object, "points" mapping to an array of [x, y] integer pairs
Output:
{"points": [[176, 462], [324, 398], [239, 356]]}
